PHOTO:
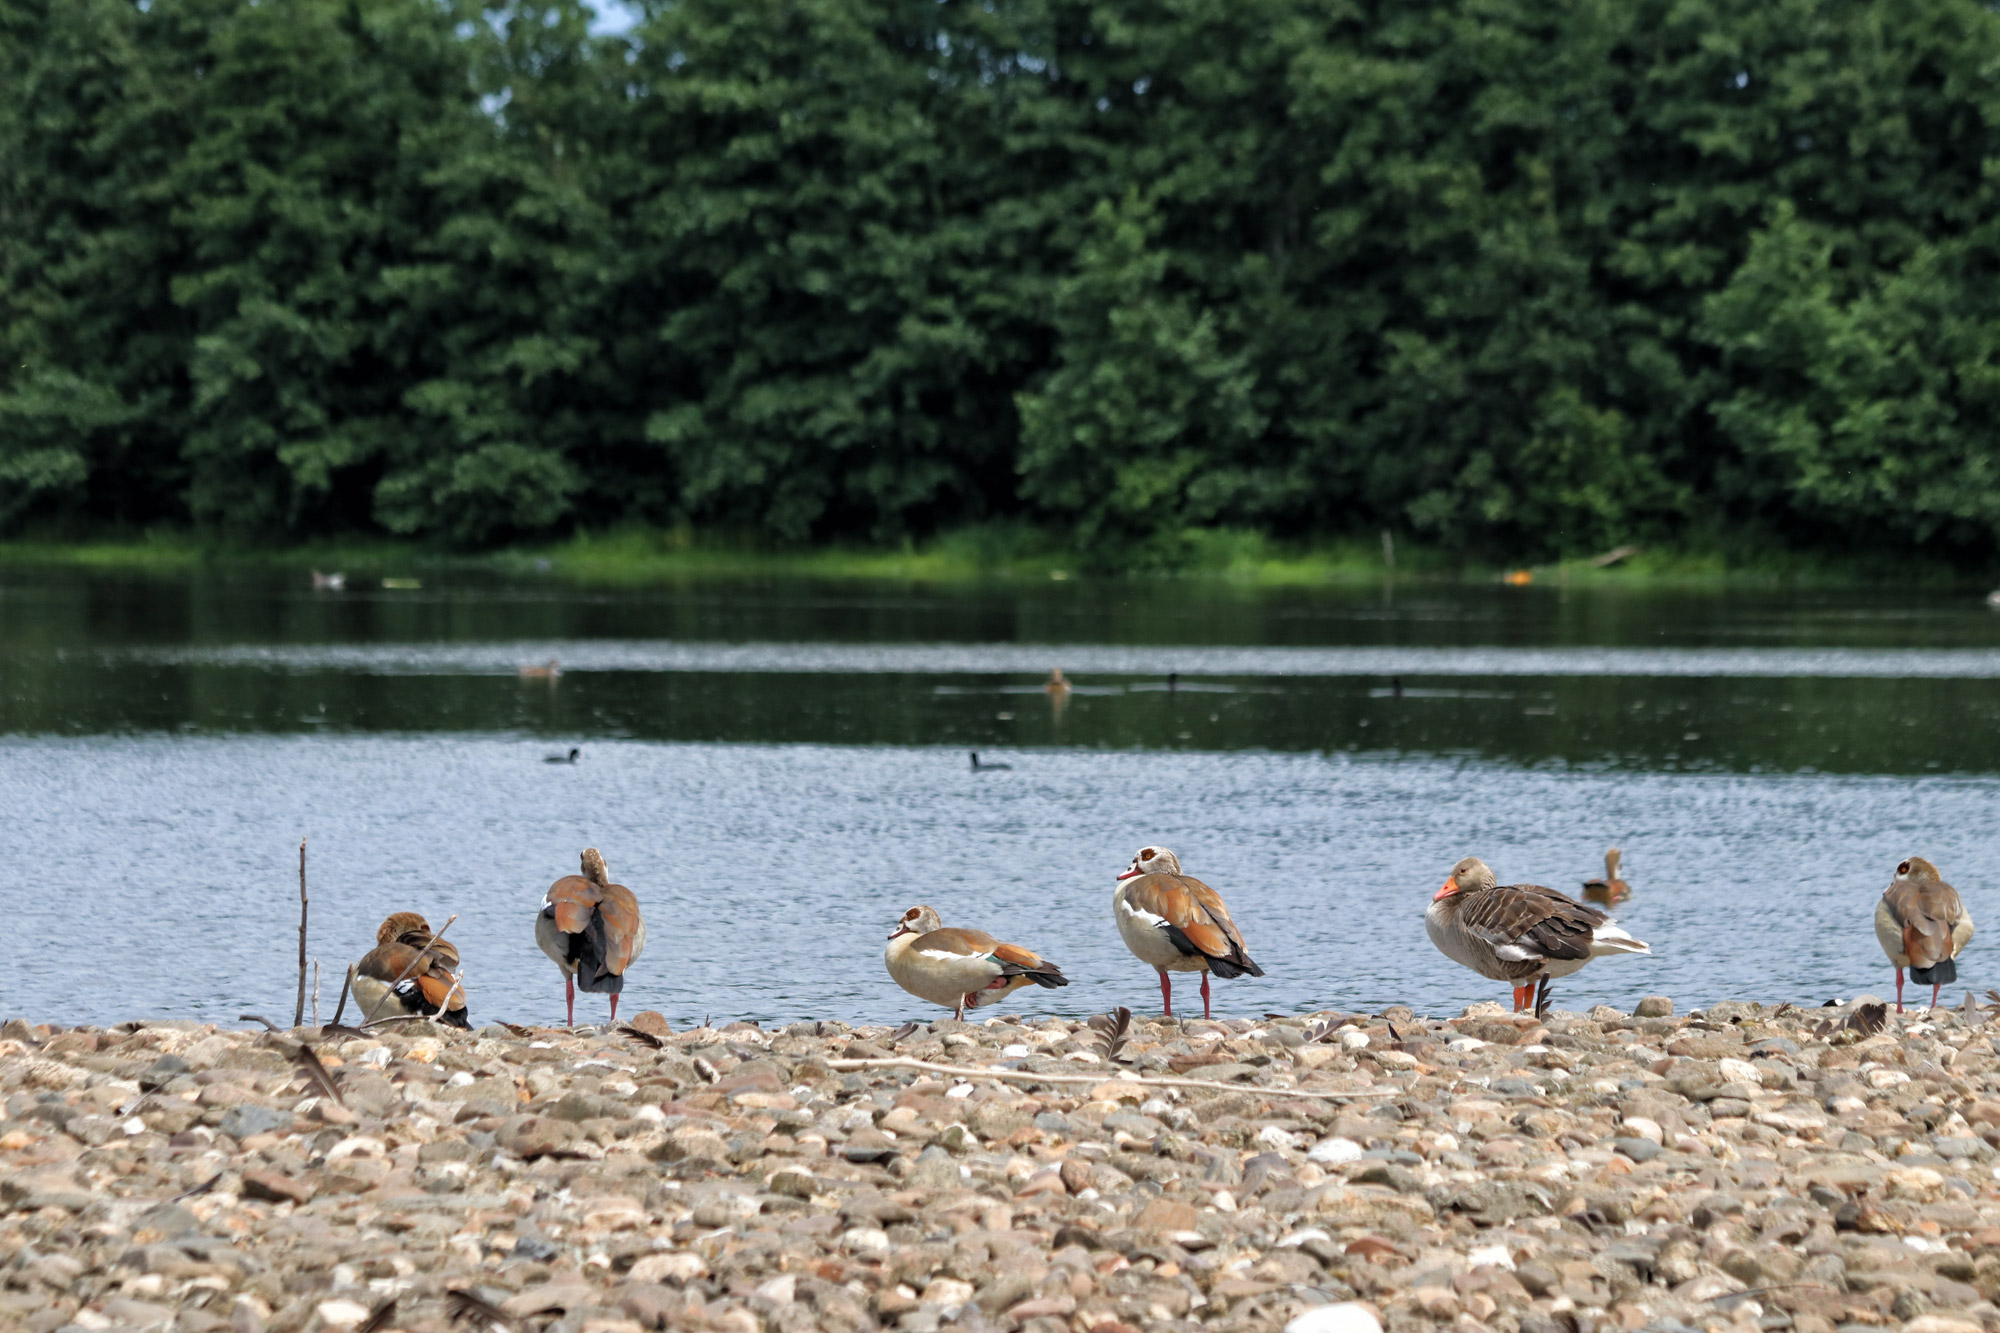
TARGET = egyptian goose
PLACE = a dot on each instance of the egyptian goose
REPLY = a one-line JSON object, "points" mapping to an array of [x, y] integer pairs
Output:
{"points": [[1521, 933], [550, 671], [593, 930], [1923, 925], [1610, 890], [408, 972], [1175, 923], [961, 969]]}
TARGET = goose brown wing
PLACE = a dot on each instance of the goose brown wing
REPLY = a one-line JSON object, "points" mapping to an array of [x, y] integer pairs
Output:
{"points": [[1195, 920], [956, 940], [1522, 921], [624, 930], [1927, 913], [1018, 962], [574, 899]]}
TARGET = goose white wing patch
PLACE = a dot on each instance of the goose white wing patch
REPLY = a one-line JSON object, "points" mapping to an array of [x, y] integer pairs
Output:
{"points": [[1144, 918], [1514, 953]]}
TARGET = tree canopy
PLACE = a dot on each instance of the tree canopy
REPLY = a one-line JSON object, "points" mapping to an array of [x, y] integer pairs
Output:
{"points": [[1532, 276]]}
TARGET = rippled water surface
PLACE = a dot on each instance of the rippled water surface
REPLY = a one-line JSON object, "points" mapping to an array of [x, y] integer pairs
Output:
{"points": [[779, 769]]}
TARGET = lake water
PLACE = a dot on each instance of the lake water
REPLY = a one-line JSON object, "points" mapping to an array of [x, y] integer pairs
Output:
{"points": [[779, 769]]}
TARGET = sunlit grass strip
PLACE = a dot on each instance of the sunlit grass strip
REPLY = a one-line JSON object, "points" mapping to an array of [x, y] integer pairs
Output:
{"points": [[636, 556]]}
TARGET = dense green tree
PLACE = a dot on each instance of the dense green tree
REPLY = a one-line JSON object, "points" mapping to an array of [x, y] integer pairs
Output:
{"points": [[1519, 277]]}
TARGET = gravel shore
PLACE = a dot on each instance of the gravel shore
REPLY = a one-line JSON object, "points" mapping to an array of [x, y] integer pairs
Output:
{"points": [[1743, 1168]]}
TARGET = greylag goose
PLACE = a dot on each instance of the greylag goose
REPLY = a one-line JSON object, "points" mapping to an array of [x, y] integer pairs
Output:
{"points": [[1175, 923], [1519, 933], [409, 972], [593, 930], [1923, 925], [1610, 890], [961, 969]]}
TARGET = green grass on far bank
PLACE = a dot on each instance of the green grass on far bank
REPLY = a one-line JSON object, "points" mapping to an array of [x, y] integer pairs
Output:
{"points": [[996, 553]]}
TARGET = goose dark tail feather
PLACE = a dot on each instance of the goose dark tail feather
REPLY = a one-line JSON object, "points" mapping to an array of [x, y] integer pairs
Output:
{"points": [[587, 949], [1942, 973]]}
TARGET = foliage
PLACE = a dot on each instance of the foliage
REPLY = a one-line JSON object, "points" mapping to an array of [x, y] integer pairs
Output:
{"points": [[1508, 278]]}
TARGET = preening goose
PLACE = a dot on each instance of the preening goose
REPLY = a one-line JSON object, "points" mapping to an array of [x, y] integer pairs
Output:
{"points": [[408, 972], [1610, 890], [593, 930], [1519, 933], [961, 969], [1923, 925], [1175, 923]]}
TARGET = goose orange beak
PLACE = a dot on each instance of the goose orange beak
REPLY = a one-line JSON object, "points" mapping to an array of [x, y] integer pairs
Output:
{"points": [[1449, 887]]}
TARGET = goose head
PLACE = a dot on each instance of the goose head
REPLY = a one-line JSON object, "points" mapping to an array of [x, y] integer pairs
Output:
{"points": [[917, 921], [1153, 860], [1471, 873]]}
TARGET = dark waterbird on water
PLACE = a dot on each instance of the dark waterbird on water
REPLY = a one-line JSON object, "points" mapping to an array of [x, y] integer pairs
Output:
{"points": [[980, 767], [570, 758]]}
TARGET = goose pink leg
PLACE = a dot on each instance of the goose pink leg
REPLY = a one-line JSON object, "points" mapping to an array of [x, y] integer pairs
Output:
{"points": [[1166, 993], [1204, 994], [569, 999]]}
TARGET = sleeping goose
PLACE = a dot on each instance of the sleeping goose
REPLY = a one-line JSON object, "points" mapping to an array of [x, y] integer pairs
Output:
{"points": [[1175, 923], [960, 969], [408, 972], [1520, 933], [593, 930], [1923, 925]]}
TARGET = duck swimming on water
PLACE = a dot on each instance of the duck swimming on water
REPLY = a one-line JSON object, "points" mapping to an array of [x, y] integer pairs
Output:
{"points": [[1609, 890], [979, 766], [570, 758]]}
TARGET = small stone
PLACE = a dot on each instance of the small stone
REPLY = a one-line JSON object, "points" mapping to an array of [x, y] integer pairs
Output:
{"points": [[651, 1022], [341, 1313], [1654, 1006], [240, 1122], [1346, 1317], [678, 1267], [1332, 1152], [1639, 1150], [275, 1187], [934, 1170]]}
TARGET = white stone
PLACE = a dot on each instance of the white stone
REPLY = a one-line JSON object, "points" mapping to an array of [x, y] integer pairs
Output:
{"points": [[1738, 1071], [779, 1290], [1346, 1317], [341, 1313], [1887, 1078], [678, 1267], [1639, 1127], [865, 1240], [1273, 1137], [357, 1145], [1332, 1152], [948, 1292], [1495, 1255], [1354, 1040], [1015, 1052]]}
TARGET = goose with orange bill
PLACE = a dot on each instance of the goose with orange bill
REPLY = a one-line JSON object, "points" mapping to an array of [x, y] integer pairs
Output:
{"points": [[1523, 934]]}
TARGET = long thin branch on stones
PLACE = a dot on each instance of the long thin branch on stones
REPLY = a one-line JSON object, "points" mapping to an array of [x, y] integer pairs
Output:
{"points": [[299, 1012], [1025, 1076], [403, 976], [303, 1056]]}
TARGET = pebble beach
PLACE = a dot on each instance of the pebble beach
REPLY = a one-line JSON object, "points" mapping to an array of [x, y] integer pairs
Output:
{"points": [[1750, 1167]]}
